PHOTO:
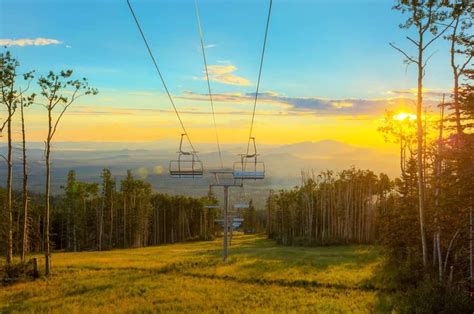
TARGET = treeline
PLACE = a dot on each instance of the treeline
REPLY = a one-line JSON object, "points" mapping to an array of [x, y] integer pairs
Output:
{"points": [[255, 221], [328, 208], [91, 216]]}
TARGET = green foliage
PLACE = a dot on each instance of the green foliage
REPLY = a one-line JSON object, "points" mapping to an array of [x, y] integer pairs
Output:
{"points": [[429, 296], [250, 219], [328, 209], [91, 216], [8, 84]]}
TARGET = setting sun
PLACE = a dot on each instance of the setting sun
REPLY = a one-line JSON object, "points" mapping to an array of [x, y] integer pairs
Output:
{"points": [[404, 115]]}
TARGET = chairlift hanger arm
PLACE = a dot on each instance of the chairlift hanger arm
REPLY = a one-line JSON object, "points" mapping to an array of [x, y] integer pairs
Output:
{"points": [[259, 74], [201, 37], [155, 63]]}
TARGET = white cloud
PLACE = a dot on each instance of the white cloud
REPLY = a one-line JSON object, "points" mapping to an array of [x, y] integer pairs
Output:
{"points": [[29, 42], [342, 104], [224, 74]]}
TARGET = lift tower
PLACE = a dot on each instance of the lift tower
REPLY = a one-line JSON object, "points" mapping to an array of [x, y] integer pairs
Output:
{"points": [[225, 178]]}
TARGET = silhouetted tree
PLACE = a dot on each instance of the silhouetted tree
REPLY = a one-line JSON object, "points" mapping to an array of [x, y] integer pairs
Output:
{"points": [[424, 16], [57, 90]]}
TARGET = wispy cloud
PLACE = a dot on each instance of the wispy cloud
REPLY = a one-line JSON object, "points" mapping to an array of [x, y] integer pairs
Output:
{"points": [[29, 42], [313, 105], [225, 74], [426, 92], [235, 98]]}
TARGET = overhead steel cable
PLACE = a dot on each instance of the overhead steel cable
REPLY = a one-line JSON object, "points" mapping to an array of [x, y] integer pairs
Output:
{"points": [[201, 36], [259, 75], [161, 76]]}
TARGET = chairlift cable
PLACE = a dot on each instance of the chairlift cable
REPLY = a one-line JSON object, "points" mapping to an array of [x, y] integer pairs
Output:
{"points": [[201, 36], [259, 74], [160, 75]]}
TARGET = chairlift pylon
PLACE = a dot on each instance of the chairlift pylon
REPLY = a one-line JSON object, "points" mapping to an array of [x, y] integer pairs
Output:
{"points": [[249, 168], [187, 165]]}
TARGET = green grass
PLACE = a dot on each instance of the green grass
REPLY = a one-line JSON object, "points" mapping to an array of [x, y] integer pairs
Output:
{"points": [[190, 277]]}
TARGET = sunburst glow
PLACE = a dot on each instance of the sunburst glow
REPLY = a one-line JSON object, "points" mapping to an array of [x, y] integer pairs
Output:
{"points": [[404, 116]]}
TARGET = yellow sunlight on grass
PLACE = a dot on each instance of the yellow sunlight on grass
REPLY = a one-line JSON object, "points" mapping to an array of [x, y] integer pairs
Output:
{"points": [[191, 277]]}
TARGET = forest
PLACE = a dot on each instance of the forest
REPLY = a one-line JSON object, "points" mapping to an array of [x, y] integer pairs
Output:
{"points": [[422, 221]]}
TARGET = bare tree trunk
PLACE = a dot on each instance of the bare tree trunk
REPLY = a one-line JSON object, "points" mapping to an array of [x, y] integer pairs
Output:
{"points": [[112, 215], [456, 73], [402, 157], [449, 250], [8, 202], [24, 247], [438, 252], [436, 239], [421, 186], [101, 224], [471, 268], [124, 221], [47, 194]]}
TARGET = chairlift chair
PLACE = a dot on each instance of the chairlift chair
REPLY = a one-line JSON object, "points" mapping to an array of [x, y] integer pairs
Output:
{"points": [[241, 206], [187, 165], [249, 168]]}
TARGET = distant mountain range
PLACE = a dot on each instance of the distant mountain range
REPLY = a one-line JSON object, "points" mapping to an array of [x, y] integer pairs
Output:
{"points": [[150, 162]]}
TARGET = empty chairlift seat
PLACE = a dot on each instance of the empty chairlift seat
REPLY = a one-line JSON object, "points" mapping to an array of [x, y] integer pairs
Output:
{"points": [[249, 168], [187, 165], [186, 168]]}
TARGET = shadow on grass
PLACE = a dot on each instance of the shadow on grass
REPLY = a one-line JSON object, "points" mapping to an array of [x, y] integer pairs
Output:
{"points": [[262, 255], [300, 283]]}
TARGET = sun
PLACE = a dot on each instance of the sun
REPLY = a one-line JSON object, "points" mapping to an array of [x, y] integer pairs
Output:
{"points": [[404, 116]]}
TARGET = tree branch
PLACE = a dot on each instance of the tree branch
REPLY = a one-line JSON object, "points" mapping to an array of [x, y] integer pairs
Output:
{"points": [[449, 249], [438, 35], [73, 98], [428, 59], [428, 23], [25, 90], [413, 41], [4, 124], [404, 53], [442, 24], [463, 67]]}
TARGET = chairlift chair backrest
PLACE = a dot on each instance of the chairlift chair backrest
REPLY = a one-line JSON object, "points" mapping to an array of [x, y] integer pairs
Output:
{"points": [[249, 168], [187, 165]]}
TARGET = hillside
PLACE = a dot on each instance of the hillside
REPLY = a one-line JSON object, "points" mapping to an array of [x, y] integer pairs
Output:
{"points": [[258, 276]]}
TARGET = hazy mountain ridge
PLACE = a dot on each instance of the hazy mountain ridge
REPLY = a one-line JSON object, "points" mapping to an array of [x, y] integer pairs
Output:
{"points": [[283, 164]]}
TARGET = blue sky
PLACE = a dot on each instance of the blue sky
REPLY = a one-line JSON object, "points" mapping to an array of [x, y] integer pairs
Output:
{"points": [[333, 49], [322, 49]]}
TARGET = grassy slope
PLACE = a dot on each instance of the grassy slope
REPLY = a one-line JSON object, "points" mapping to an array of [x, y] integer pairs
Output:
{"points": [[258, 276]]}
